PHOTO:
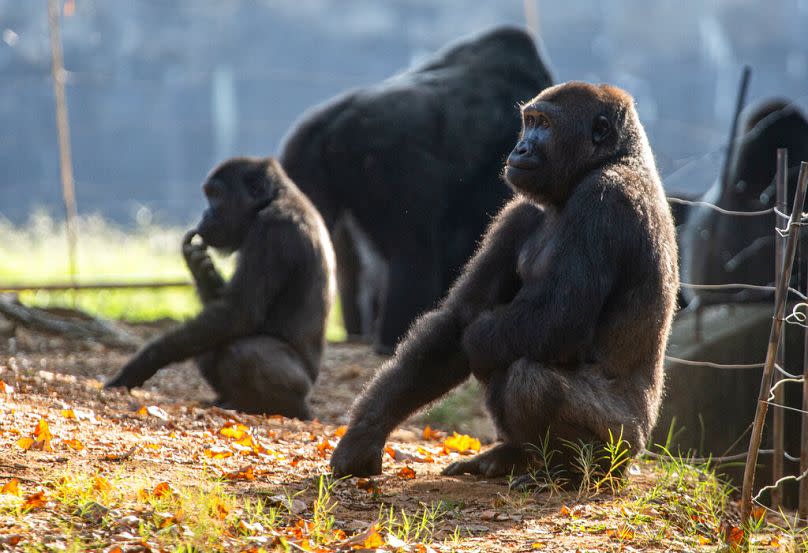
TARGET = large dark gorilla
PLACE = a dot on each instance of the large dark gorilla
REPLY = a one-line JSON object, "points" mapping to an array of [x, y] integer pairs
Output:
{"points": [[723, 249], [415, 161], [563, 313], [259, 338]]}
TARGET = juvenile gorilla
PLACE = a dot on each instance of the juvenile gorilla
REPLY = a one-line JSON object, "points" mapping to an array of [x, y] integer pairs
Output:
{"points": [[563, 313], [414, 162], [259, 338]]}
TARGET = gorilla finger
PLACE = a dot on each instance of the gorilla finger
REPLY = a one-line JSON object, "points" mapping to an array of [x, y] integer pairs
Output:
{"points": [[523, 483], [189, 236], [461, 467]]}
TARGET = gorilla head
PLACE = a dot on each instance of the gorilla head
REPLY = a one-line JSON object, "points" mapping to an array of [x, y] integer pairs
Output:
{"points": [[236, 191]]}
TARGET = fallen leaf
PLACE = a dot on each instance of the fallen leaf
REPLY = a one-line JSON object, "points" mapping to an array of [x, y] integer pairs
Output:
{"points": [[74, 444], [25, 443], [218, 453], [564, 511], [538, 545], [622, 533], [758, 513], [68, 413], [324, 447], [461, 443], [429, 434], [245, 473], [163, 489], [340, 431], [155, 411], [390, 451], [234, 430], [734, 536], [407, 473], [101, 484], [12, 487], [6, 389], [35, 501], [122, 456]]}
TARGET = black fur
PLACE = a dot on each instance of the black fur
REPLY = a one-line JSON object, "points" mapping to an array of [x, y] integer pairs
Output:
{"points": [[563, 313], [415, 161], [723, 249], [259, 338]]}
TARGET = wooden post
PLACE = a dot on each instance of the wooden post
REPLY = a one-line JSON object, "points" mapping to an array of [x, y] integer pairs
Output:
{"points": [[778, 441], [802, 511], [733, 131], [532, 17], [774, 340], [63, 129]]}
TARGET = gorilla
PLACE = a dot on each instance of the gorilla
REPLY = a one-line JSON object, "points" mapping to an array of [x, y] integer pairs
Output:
{"points": [[414, 160], [563, 313], [723, 249], [259, 338]]}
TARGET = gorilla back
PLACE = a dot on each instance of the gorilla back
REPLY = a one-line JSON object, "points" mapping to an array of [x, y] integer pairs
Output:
{"points": [[259, 338], [416, 161]]}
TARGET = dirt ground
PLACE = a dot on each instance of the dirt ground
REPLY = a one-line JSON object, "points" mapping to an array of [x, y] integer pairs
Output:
{"points": [[161, 434]]}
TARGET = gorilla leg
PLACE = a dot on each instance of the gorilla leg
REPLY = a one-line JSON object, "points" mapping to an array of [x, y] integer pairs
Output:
{"points": [[348, 280], [259, 375], [528, 401], [412, 289]]}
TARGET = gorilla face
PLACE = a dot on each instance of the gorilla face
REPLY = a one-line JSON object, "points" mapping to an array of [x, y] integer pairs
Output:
{"points": [[557, 145], [235, 193]]}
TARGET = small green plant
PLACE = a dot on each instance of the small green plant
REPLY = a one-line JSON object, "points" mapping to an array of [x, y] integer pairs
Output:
{"points": [[547, 476], [415, 528], [324, 505], [616, 455]]}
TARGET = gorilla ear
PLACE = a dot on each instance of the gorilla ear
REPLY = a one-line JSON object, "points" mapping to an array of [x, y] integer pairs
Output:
{"points": [[255, 181], [601, 129]]}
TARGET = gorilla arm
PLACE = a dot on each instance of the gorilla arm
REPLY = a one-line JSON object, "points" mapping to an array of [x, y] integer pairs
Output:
{"points": [[430, 361], [554, 315], [239, 310], [209, 283]]}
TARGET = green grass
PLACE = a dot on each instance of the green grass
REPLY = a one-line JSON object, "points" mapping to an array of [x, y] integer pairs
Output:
{"points": [[36, 253]]}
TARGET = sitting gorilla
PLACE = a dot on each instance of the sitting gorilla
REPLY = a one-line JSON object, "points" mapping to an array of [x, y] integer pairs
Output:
{"points": [[563, 314], [724, 249], [415, 162], [259, 338]]}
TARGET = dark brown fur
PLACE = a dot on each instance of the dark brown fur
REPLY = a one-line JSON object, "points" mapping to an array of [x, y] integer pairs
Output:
{"points": [[563, 313], [259, 338]]}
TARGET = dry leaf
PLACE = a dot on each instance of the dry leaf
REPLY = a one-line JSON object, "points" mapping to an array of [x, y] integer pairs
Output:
{"points": [[101, 484], [461, 443], [12, 487], [6, 389], [390, 451], [163, 489], [35, 501], [429, 434], [74, 444], [340, 431], [324, 447], [407, 473], [68, 413], [246, 473], [218, 453], [234, 430]]}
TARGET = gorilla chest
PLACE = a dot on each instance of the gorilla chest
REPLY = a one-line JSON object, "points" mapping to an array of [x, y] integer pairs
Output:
{"points": [[536, 254]]}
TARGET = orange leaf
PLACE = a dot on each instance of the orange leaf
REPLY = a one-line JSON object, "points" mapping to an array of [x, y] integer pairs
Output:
{"points": [[12, 487], [35, 501], [162, 489], [390, 451], [74, 444], [220, 510], [758, 513], [142, 411], [340, 431], [621, 533], [68, 413], [218, 453], [407, 473], [246, 473], [373, 540], [101, 484], [234, 430], [461, 443], [430, 434], [25, 443], [735, 537], [6, 389], [565, 511], [324, 447]]}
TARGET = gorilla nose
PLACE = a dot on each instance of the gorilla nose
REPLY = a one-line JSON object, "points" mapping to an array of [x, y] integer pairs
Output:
{"points": [[207, 188], [523, 157]]}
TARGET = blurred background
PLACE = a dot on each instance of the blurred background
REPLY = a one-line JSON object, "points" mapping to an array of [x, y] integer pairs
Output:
{"points": [[158, 92]]}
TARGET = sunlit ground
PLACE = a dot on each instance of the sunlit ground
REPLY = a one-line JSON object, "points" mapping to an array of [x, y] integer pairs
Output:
{"points": [[36, 253]]}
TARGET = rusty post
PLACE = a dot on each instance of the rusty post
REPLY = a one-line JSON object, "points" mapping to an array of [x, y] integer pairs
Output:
{"points": [[778, 440], [774, 340], [63, 129]]}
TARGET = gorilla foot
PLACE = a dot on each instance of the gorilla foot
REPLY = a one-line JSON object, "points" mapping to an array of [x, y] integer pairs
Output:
{"points": [[502, 460]]}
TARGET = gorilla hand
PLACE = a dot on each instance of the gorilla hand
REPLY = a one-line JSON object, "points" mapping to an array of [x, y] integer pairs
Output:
{"points": [[357, 455], [208, 280]]}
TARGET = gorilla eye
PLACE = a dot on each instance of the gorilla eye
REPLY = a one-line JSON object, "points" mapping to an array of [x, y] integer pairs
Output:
{"points": [[530, 120], [543, 121]]}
